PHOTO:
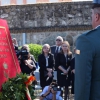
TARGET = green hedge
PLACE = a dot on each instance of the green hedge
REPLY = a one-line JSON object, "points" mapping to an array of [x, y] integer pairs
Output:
{"points": [[35, 49], [15, 88]]}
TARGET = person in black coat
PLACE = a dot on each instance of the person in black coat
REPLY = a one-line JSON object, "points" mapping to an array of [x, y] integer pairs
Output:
{"points": [[46, 64], [28, 65], [57, 48], [27, 62], [72, 74], [15, 45], [62, 63]]}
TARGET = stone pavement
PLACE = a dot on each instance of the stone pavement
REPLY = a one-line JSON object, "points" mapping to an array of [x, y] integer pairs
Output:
{"points": [[71, 97], [38, 88]]}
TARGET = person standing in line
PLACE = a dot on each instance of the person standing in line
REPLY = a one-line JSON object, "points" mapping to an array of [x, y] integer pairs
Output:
{"points": [[57, 48], [62, 64], [27, 61], [73, 72], [87, 60], [15, 44], [46, 63]]}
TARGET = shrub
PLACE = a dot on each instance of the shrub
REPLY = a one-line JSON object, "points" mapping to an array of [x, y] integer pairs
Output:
{"points": [[35, 49], [15, 88]]}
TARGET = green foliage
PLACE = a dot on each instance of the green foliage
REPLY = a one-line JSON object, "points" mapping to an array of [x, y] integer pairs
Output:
{"points": [[14, 89], [35, 49]]}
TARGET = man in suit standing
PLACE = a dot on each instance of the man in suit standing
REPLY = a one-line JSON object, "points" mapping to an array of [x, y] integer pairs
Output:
{"points": [[87, 60], [57, 48]]}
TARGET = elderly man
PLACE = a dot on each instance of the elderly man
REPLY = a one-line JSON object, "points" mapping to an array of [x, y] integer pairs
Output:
{"points": [[87, 60], [57, 48]]}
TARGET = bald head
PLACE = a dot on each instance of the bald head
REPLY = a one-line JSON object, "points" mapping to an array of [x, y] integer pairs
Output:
{"points": [[95, 17], [97, 10]]}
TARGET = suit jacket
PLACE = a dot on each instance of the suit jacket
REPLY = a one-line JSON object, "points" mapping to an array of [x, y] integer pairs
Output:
{"points": [[42, 61], [73, 63], [72, 74], [87, 66], [43, 68], [53, 50], [61, 60]]}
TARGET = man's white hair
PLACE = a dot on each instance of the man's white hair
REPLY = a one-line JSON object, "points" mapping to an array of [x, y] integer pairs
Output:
{"points": [[59, 37]]}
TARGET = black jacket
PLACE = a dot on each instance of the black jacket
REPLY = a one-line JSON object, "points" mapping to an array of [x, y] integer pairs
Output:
{"points": [[42, 61], [61, 61], [42, 65], [53, 50]]}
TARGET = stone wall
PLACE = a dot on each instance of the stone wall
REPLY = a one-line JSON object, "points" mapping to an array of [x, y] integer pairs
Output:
{"points": [[33, 19], [48, 37], [42, 15]]}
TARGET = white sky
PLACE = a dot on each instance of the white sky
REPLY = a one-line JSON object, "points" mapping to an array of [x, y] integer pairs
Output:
{"points": [[82, 0]]}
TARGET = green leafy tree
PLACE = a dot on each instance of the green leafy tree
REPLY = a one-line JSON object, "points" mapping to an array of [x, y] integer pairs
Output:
{"points": [[35, 49]]}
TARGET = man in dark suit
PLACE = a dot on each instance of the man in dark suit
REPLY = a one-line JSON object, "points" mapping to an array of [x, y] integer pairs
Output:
{"points": [[73, 71], [87, 60], [57, 48]]}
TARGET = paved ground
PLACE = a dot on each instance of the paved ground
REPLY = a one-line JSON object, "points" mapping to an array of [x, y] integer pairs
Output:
{"points": [[38, 88], [71, 98], [37, 92]]}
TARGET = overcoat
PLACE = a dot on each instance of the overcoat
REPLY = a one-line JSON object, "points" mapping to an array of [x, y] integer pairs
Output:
{"points": [[87, 66]]}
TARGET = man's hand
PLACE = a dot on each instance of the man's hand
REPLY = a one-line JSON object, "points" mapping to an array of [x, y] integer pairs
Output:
{"points": [[26, 62], [65, 72], [44, 95], [73, 71], [49, 89], [49, 70], [49, 74], [53, 92]]}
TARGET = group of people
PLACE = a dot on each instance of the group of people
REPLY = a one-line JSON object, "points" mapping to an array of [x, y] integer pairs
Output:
{"points": [[55, 58], [86, 62], [58, 58], [85, 65]]}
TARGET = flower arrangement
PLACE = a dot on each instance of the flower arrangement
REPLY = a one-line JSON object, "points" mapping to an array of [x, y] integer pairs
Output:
{"points": [[18, 88]]}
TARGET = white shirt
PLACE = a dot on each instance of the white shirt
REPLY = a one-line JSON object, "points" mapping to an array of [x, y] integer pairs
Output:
{"points": [[47, 61], [65, 57], [97, 26], [50, 96], [58, 48]]}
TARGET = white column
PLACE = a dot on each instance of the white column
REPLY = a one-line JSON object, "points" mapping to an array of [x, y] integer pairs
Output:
{"points": [[31, 1], [53, 1], [5, 2], [24, 38], [19, 2]]}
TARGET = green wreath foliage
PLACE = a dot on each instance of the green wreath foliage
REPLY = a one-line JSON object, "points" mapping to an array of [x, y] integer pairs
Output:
{"points": [[15, 88]]}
